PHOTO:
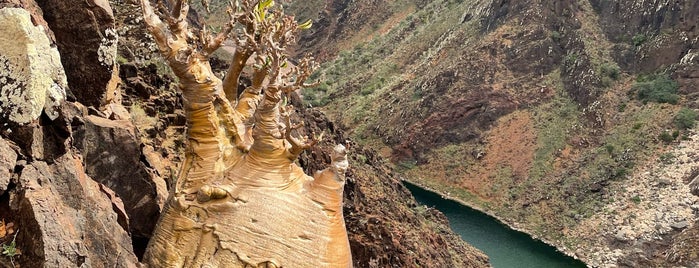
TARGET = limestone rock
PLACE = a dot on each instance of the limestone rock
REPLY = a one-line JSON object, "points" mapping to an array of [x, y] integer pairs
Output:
{"points": [[66, 220], [112, 157], [8, 157], [87, 40], [31, 76]]}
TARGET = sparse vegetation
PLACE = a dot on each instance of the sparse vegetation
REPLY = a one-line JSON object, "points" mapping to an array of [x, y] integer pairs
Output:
{"points": [[667, 158], [609, 72], [10, 250], [666, 137], [685, 118], [636, 199], [556, 36], [639, 39], [140, 117], [656, 88], [570, 59]]}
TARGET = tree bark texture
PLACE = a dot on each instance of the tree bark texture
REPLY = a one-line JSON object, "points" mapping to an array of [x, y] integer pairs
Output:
{"points": [[240, 200]]}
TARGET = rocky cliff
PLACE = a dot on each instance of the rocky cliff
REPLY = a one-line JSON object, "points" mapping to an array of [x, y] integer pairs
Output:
{"points": [[92, 133], [572, 120]]}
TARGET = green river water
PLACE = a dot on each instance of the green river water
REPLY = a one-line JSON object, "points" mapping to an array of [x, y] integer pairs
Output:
{"points": [[506, 248]]}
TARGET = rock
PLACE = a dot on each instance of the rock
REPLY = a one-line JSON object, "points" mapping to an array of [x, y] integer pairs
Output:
{"points": [[116, 111], [694, 186], [34, 11], [680, 225], [624, 234], [112, 157], [128, 70], [87, 40], [663, 181], [32, 79], [141, 88], [8, 158], [65, 220]]}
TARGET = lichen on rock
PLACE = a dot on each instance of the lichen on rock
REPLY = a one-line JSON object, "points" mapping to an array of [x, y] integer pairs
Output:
{"points": [[32, 78], [107, 50]]}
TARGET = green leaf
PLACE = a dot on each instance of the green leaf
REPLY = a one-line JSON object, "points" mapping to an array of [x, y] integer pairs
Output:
{"points": [[306, 25], [266, 3], [261, 8]]}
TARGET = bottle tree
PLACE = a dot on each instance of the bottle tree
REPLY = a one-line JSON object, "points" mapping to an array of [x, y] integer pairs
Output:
{"points": [[240, 200]]}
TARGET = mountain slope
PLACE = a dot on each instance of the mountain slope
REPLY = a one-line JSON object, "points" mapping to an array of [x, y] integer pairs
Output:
{"points": [[539, 112]]}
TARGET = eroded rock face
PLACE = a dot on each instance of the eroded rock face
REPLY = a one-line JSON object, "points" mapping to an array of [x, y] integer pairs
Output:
{"points": [[32, 79], [112, 152], [8, 157], [66, 220], [87, 39]]}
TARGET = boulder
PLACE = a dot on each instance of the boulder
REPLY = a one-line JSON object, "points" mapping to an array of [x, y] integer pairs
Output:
{"points": [[113, 157], [87, 40], [34, 11], [32, 79], [66, 220], [680, 225]]}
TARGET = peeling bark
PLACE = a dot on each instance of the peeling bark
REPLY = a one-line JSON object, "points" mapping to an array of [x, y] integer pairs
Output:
{"points": [[240, 200]]}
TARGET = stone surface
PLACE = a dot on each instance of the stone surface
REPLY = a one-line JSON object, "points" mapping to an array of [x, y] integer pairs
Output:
{"points": [[87, 39], [112, 157], [32, 79], [8, 157], [34, 11], [66, 220]]}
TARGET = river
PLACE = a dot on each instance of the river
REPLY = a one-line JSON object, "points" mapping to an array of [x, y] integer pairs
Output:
{"points": [[506, 248]]}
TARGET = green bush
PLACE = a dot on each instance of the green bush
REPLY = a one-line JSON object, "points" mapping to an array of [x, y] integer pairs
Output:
{"points": [[610, 70], [685, 118], [666, 137], [556, 36], [667, 158], [609, 148], [657, 88], [639, 39], [636, 199]]}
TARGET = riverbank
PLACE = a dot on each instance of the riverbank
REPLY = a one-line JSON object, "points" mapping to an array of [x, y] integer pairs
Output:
{"points": [[510, 225]]}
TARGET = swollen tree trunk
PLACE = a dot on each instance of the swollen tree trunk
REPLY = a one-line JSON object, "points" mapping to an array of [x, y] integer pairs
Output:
{"points": [[240, 200]]}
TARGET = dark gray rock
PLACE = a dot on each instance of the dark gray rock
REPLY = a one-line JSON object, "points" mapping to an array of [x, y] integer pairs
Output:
{"points": [[86, 38]]}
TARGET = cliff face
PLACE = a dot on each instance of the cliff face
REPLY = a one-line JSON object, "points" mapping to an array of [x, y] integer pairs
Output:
{"points": [[88, 154], [536, 111], [375, 199]]}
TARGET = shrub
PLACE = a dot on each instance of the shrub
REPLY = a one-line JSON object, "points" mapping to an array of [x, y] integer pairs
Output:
{"points": [[570, 59], [666, 137], [657, 88], [639, 39], [609, 148], [667, 158], [685, 118], [636, 199], [556, 36], [608, 72]]}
